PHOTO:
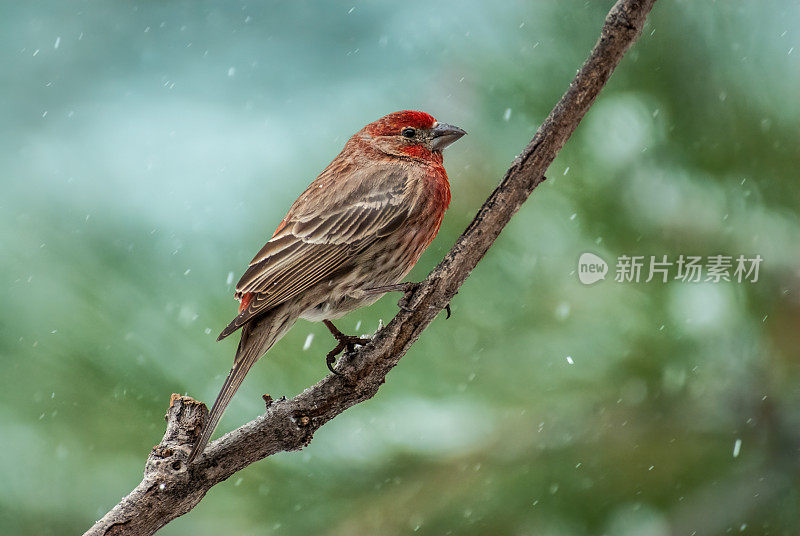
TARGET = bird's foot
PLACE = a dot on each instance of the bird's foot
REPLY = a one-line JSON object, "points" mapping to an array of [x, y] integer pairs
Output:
{"points": [[345, 343]]}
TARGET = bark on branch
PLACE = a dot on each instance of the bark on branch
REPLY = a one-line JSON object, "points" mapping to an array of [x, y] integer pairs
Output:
{"points": [[171, 488]]}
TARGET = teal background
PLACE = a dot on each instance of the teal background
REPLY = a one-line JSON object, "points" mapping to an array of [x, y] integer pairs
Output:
{"points": [[149, 148]]}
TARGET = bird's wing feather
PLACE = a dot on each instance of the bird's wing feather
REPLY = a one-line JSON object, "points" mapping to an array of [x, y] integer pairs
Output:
{"points": [[320, 236]]}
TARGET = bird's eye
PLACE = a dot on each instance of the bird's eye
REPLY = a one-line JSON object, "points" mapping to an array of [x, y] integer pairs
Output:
{"points": [[408, 132]]}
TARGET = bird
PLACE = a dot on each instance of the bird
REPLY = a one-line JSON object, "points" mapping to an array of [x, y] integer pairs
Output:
{"points": [[356, 231]]}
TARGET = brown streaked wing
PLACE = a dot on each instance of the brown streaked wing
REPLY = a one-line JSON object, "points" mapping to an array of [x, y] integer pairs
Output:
{"points": [[313, 245]]}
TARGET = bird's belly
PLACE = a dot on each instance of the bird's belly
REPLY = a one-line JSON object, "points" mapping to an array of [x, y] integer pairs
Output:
{"points": [[350, 294], [334, 308], [377, 267]]}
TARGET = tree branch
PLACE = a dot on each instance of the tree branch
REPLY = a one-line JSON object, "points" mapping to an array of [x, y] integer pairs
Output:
{"points": [[170, 488]]}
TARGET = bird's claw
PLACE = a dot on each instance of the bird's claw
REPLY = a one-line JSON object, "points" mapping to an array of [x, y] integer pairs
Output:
{"points": [[403, 303], [344, 343], [330, 359], [347, 343], [447, 309]]}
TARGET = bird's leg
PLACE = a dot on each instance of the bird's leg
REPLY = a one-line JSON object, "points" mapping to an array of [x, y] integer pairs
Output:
{"points": [[345, 342], [408, 289]]}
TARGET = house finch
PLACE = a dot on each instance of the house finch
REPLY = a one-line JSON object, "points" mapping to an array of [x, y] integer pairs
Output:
{"points": [[361, 225]]}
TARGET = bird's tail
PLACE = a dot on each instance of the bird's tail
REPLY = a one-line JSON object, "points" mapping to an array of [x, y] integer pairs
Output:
{"points": [[257, 337]]}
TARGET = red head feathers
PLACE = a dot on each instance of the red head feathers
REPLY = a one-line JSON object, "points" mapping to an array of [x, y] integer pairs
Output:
{"points": [[410, 134]]}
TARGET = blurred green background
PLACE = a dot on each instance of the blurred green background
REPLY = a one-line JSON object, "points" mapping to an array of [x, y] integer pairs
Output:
{"points": [[149, 148]]}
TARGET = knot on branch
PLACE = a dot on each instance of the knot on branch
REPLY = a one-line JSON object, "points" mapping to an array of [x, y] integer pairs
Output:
{"points": [[185, 417]]}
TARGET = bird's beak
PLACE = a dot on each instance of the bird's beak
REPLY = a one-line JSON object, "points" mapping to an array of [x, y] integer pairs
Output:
{"points": [[444, 135]]}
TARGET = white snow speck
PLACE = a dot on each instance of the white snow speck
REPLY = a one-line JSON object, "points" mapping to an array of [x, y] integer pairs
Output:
{"points": [[569, 360], [58, 42], [187, 271], [566, 170], [307, 344], [358, 325], [574, 215], [231, 71], [737, 446], [229, 280], [162, 486], [351, 10], [507, 114]]}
